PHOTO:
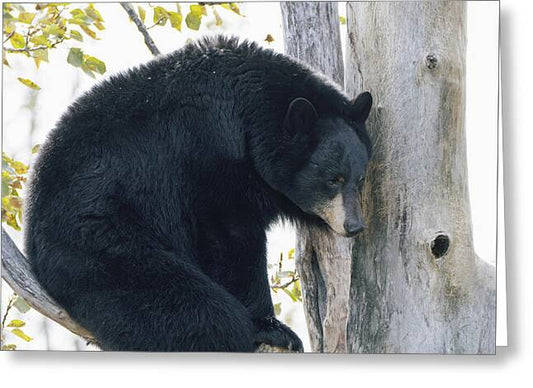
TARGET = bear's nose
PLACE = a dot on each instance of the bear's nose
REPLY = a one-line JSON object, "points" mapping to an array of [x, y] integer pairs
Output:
{"points": [[353, 227]]}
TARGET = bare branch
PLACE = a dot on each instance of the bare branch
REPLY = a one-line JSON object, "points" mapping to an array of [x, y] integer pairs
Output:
{"points": [[142, 28]]}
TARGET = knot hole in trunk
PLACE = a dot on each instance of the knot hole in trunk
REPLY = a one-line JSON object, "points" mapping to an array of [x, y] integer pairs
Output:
{"points": [[440, 245]]}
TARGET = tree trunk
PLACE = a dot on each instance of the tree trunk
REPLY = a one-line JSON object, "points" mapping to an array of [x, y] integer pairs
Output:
{"points": [[311, 34], [417, 284]]}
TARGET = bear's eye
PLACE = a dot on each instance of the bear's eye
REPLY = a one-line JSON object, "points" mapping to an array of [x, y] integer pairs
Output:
{"points": [[336, 181]]}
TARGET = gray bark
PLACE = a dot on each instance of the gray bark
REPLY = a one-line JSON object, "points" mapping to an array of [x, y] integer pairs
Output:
{"points": [[311, 34], [417, 284]]}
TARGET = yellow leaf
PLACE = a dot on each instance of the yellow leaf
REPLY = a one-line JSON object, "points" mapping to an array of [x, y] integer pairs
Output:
{"points": [[26, 17], [17, 40], [175, 20], [9, 347], [12, 221], [16, 323], [160, 16], [269, 38], [93, 13], [234, 8], [198, 10], [19, 167], [291, 253], [19, 333], [142, 13], [35, 148], [88, 31], [28, 83]]}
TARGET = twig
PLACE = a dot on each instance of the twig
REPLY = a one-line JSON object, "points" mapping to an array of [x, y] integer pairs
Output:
{"points": [[9, 305], [278, 286], [25, 49], [9, 36], [142, 28], [35, 48]]}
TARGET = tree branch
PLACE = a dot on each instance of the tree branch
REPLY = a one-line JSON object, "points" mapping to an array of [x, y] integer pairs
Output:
{"points": [[142, 28], [16, 271]]}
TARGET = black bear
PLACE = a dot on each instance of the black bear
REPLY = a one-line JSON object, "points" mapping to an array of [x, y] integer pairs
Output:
{"points": [[149, 202]]}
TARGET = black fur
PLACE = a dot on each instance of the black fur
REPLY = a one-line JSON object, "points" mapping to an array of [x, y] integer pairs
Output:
{"points": [[149, 201]]}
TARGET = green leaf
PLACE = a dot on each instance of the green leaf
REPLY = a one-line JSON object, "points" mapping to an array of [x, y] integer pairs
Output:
{"points": [[76, 35], [40, 40], [17, 40], [193, 21], [53, 29], [21, 305], [19, 333], [175, 20], [294, 298], [87, 70], [160, 16], [26, 17], [277, 309], [142, 13], [29, 83], [95, 64], [81, 20], [296, 290], [16, 323], [93, 13], [75, 57], [35, 148], [5, 188], [42, 54], [20, 168]]}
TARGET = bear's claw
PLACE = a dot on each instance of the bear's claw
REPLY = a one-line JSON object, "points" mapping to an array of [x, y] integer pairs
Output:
{"points": [[272, 332]]}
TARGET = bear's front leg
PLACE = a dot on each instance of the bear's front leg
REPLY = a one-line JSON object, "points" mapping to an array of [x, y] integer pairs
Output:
{"points": [[258, 301], [240, 266]]}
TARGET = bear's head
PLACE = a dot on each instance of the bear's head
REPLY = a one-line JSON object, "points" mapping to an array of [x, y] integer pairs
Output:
{"points": [[332, 155]]}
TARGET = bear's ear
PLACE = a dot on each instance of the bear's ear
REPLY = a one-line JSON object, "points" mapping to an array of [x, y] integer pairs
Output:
{"points": [[301, 116], [361, 107]]}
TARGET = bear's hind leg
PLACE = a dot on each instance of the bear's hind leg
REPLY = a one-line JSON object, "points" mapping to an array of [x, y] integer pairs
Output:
{"points": [[172, 309]]}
